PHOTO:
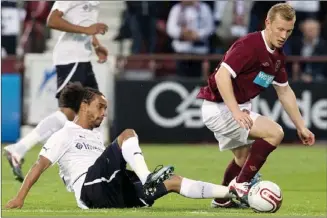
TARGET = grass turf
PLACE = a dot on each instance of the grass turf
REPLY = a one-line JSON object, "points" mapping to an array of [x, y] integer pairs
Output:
{"points": [[299, 171]]}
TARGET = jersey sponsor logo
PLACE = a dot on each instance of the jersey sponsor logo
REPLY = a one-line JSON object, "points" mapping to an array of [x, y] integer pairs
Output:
{"points": [[86, 146], [263, 79]]}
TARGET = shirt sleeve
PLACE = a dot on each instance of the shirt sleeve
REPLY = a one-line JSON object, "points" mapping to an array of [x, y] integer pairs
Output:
{"points": [[239, 58], [62, 6], [55, 148], [281, 78], [173, 29]]}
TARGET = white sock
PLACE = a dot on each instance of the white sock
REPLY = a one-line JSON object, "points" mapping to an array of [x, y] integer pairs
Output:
{"points": [[40, 133], [198, 189], [133, 156]]}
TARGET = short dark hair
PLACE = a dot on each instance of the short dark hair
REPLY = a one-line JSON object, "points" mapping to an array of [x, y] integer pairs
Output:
{"points": [[71, 96], [88, 94], [74, 94]]}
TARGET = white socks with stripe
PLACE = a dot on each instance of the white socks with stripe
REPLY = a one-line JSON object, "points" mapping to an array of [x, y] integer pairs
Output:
{"points": [[133, 156], [198, 189], [42, 131]]}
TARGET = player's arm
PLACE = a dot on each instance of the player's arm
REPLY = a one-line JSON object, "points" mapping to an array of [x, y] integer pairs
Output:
{"points": [[51, 152], [236, 60], [288, 100], [100, 50], [95, 42], [32, 176], [225, 87], [56, 21]]}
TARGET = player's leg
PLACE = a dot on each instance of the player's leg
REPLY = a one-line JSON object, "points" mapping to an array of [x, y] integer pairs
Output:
{"points": [[232, 170], [50, 124], [230, 136], [104, 183], [132, 153], [268, 135], [196, 189], [188, 188]]}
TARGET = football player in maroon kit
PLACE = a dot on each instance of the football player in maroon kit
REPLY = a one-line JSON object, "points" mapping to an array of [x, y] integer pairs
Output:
{"points": [[250, 65]]}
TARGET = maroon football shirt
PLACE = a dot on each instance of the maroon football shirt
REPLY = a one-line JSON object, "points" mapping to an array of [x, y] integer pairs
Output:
{"points": [[253, 66]]}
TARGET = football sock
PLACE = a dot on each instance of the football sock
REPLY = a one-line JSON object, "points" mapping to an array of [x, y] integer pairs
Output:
{"points": [[133, 156], [259, 152], [231, 172], [40, 133], [198, 189]]}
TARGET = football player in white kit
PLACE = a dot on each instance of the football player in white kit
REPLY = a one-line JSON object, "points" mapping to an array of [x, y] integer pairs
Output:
{"points": [[78, 21], [97, 174]]}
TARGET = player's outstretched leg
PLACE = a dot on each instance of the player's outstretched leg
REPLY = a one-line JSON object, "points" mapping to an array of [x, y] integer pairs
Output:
{"points": [[268, 135], [188, 188], [132, 153]]}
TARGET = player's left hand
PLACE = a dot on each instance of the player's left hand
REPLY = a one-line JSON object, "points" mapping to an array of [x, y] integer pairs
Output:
{"points": [[102, 54], [14, 203], [306, 136]]}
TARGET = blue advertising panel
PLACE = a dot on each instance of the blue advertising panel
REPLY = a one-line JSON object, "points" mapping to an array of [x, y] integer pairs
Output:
{"points": [[10, 107]]}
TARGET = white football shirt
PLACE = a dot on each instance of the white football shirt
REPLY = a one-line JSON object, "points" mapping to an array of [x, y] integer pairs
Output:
{"points": [[75, 149], [74, 47]]}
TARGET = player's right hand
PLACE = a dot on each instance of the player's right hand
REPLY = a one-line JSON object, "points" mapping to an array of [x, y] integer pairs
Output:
{"points": [[14, 203], [97, 28], [243, 119]]}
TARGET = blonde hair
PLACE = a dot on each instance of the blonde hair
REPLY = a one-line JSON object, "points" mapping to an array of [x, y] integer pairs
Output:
{"points": [[285, 10]]}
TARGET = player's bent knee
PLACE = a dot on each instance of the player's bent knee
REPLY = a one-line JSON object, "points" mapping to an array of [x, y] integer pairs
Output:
{"points": [[277, 136], [126, 134]]}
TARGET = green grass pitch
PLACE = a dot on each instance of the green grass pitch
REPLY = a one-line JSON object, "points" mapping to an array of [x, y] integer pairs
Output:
{"points": [[299, 171]]}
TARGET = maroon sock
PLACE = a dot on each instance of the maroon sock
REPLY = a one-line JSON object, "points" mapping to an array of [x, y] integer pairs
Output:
{"points": [[231, 172], [257, 157]]}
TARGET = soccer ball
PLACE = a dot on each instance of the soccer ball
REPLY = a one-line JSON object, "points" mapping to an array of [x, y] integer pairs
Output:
{"points": [[265, 196]]}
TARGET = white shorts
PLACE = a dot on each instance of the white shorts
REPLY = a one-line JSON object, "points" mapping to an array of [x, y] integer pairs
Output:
{"points": [[218, 118]]}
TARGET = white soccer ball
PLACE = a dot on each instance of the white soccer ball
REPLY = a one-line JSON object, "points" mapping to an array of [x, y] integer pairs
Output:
{"points": [[265, 197]]}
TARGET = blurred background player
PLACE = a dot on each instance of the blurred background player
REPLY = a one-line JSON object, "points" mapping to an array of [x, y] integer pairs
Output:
{"points": [[72, 54], [96, 174], [250, 65]]}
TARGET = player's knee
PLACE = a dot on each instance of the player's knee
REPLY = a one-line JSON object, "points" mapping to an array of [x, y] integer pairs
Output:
{"points": [[240, 160], [126, 134], [277, 135]]}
